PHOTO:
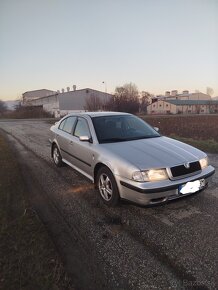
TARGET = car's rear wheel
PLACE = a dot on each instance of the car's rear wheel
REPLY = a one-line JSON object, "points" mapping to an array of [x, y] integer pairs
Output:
{"points": [[107, 187], [56, 155]]}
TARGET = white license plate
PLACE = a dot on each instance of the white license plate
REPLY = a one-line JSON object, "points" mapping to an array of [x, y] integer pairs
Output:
{"points": [[192, 186]]}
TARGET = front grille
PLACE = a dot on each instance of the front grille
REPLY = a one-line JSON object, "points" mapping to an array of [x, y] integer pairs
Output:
{"points": [[181, 170]]}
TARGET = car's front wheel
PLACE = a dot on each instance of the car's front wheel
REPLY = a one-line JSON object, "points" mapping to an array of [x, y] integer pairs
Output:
{"points": [[56, 155], [107, 186]]}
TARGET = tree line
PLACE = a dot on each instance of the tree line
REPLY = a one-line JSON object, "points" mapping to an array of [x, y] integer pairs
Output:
{"points": [[126, 99], [3, 107]]}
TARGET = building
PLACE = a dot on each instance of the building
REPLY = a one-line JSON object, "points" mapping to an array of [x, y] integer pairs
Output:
{"points": [[182, 103], [32, 95], [183, 106], [62, 103], [185, 95]]}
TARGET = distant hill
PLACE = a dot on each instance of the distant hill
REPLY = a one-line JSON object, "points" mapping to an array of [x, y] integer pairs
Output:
{"points": [[11, 105], [215, 98]]}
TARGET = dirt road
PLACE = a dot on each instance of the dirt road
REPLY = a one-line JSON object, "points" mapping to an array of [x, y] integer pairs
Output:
{"points": [[174, 246]]}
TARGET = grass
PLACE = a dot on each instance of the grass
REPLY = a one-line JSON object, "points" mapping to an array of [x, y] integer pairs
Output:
{"points": [[210, 146], [26, 113], [28, 259]]}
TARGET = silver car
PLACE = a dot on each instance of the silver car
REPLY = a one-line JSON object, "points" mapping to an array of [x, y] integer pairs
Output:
{"points": [[128, 159]]}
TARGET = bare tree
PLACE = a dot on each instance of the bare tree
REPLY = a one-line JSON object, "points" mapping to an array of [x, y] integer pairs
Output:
{"points": [[210, 91], [126, 99], [145, 100], [3, 107], [93, 103]]}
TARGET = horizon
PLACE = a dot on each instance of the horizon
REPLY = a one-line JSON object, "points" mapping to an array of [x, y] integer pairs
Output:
{"points": [[159, 46], [65, 91], [153, 95]]}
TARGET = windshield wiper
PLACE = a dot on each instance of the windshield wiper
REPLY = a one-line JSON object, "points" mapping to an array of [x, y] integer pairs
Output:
{"points": [[108, 140], [142, 137], [116, 139]]}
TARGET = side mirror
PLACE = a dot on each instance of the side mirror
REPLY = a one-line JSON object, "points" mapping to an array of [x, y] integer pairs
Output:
{"points": [[85, 139], [156, 129]]}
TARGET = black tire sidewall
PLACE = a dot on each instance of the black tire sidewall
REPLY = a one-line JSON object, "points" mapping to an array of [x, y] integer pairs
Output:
{"points": [[60, 163]]}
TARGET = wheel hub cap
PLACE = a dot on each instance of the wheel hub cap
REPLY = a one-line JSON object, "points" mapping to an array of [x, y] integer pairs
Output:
{"points": [[105, 187]]}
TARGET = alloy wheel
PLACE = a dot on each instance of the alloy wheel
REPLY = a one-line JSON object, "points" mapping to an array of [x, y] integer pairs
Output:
{"points": [[56, 155], [105, 187]]}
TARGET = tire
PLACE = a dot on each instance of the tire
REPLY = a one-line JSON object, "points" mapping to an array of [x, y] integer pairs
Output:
{"points": [[107, 187], [56, 156]]}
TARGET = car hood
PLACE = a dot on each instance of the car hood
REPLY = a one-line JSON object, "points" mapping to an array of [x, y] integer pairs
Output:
{"points": [[157, 152]]}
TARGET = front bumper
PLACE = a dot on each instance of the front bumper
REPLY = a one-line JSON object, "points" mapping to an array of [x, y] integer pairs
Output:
{"points": [[148, 193]]}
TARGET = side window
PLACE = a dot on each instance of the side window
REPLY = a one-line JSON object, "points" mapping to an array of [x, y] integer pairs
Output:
{"points": [[68, 124], [62, 124], [82, 128]]}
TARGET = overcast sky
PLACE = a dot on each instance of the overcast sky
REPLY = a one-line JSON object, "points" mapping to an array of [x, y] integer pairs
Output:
{"points": [[157, 44]]}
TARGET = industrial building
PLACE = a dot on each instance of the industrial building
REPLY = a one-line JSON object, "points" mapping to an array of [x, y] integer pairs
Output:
{"points": [[61, 103], [182, 103], [32, 95], [185, 95], [168, 106]]}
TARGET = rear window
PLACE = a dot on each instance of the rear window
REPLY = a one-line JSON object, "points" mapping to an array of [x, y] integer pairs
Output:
{"points": [[62, 124], [82, 128], [67, 124]]}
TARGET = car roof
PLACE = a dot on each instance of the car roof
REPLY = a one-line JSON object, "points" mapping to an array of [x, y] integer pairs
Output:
{"points": [[99, 114]]}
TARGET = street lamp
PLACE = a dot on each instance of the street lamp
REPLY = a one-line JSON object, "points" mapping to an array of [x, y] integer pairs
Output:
{"points": [[105, 84]]}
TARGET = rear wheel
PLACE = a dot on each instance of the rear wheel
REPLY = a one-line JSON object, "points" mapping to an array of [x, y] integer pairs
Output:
{"points": [[56, 155], [107, 186]]}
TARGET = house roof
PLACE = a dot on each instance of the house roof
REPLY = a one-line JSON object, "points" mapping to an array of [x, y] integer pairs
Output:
{"points": [[192, 102]]}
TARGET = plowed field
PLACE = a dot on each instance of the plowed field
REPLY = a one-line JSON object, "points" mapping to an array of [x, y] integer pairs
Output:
{"points": [[197, 127]]}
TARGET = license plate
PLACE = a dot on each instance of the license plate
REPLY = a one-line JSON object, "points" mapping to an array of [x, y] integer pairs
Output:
{"points": [[192, 186]]}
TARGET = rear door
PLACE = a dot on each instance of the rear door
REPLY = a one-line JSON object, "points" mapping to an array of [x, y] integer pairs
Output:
{"points": [[64, 136]]}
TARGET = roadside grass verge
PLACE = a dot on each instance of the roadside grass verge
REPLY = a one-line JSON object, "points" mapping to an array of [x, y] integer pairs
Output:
{"points": [[28, 258], [26, 113], [210, 146]]}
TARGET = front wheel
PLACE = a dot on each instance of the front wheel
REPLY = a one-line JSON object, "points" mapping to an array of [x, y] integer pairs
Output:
{"points": [[107, 187], [56, 155]]}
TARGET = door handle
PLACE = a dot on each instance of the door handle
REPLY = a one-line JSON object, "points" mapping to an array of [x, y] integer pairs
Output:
{"points": [[71, 142]]}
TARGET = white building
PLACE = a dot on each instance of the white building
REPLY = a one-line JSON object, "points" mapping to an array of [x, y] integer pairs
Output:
{"points": [[32, 95], [62, 103]]}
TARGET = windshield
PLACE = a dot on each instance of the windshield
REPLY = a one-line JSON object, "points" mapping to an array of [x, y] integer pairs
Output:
{"points": [[120, 128]]}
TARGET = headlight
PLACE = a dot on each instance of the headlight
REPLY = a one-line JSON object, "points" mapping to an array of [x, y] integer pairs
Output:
{"points": [[204, 162], [150, 175]]}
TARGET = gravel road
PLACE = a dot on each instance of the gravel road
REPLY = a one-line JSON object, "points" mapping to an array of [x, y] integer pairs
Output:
{"points": [[173, 246]]}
